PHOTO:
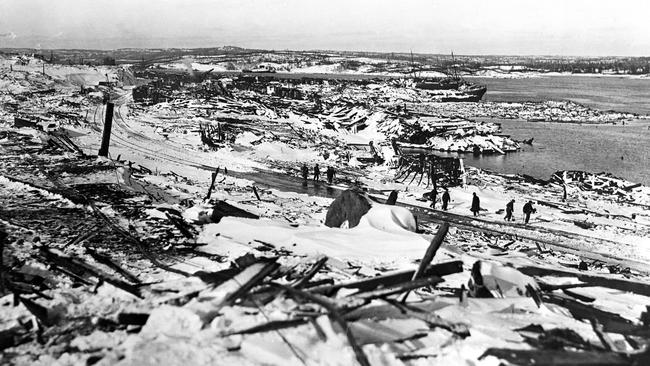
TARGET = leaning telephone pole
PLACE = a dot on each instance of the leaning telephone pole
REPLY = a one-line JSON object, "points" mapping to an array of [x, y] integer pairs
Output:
{"points": [[106, 136]]}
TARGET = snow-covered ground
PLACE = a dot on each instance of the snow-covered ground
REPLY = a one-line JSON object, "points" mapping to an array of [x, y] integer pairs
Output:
{"points": [[164, 169]]}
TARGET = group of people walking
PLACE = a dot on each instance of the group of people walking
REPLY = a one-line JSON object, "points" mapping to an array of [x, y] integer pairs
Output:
{"points": [[528, 208], [329, 173], [445, 198]]}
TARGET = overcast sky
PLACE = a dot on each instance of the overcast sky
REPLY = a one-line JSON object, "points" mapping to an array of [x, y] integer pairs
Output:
{"points": [[548, 27]]}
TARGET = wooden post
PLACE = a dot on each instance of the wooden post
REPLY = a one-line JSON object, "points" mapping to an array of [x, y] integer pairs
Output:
{"points": [[106, 136], [214, 177], [256, 194]]}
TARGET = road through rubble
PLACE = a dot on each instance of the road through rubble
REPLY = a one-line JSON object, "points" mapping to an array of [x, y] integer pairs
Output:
{"points": [[551, 238], [581, 245]]}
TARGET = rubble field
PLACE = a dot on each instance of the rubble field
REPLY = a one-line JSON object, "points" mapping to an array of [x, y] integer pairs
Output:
{"points": [[196, 241]]}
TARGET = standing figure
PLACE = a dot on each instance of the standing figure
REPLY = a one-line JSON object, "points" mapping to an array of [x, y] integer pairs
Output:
{"points": [[445, 199], [433, 196], [330, 174], [316, 173], [476, 204], [528, 209], [510, 207], [305, 172]]}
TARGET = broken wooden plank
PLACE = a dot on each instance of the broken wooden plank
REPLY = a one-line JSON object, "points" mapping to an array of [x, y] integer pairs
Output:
{"points": [[557, 357], [300, 283], [257, 195], [612, 323], [270, 326], [636, 287], [76, 264], [39, 311], [335, 315], [578, 296], [181, 225], [218, 277], [549, 287], [398, 289], [368, 284], [604, 338], [132, 318], [211, 299], [106, 260], [436, 242], [222, 209], [132, 239], [269, 266], [13, 337]]}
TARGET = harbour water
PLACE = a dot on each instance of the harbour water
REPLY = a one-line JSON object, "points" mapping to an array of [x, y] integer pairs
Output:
{"points": [[623, 150], [622, 94]]}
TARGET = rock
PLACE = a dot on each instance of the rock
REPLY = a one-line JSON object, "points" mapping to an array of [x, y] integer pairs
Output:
{"points": [[350, 206]]}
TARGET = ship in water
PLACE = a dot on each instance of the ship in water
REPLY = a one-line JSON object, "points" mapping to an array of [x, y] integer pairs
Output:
{"points": [[452, 88]]}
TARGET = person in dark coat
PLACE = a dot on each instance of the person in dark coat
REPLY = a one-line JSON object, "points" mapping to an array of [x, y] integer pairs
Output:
{"points": [[510, 207], [445, 199], [476, 204], [528, 209], [433, 196], [316, 173], [330, 174], [305, 172]]}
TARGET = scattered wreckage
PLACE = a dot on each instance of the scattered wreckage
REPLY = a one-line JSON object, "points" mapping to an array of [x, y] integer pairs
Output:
{"points": [[108, 261]]}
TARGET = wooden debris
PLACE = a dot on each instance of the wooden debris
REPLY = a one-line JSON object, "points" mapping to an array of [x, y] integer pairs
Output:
{"points": [[369, 284], [300, 283], [106, 260], [436, 242], [132, 318], [557, 357], [335, 315], [612, 323], [181, 225], [78, 266], [595, 280], [578, 296], [214, 177], [270, 326], [604, 338], [13, 337], [223, 209]]}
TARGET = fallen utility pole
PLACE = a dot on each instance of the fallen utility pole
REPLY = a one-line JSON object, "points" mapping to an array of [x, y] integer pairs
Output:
{"points": [[106, 136]]}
